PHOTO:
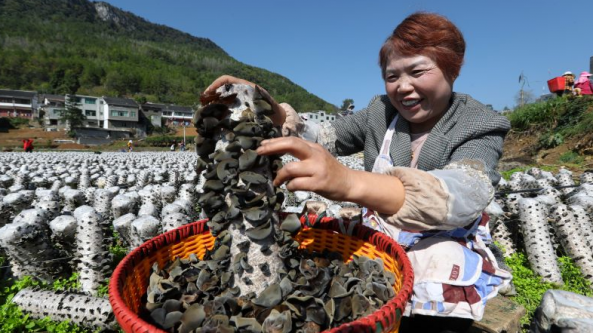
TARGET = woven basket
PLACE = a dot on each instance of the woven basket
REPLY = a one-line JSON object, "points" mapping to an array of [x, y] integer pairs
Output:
{"points": [[130, 279]]}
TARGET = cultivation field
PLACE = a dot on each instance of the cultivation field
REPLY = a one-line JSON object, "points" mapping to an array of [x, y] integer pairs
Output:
{"points": [[139, 172]]}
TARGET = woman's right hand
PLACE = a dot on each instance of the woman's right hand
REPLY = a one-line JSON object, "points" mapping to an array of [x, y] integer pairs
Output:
{"points": [[318, 171], [315, 170], [278, 116]]}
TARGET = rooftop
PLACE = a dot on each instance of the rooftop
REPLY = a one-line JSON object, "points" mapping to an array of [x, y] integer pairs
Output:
{"points": [[17, 93], [120, 101]]}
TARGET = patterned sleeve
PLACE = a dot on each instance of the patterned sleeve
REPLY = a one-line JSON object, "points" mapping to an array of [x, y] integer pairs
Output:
{"points": [[486, 148]]}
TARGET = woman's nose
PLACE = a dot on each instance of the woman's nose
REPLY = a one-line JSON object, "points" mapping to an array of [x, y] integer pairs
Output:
{"points": [[405, 85]]}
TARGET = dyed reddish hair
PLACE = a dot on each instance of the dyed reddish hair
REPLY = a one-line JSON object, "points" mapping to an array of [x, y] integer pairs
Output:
{"points": [[430, 35]]}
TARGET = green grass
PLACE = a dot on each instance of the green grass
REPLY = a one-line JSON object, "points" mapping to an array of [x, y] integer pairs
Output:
{"points": [[530, 288], [12, 318]]}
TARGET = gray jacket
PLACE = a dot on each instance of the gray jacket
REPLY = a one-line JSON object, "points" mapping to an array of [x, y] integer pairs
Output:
{"points": [[468, 130]]}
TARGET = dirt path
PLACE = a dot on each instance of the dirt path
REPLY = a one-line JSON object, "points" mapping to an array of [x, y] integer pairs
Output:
{"points": [[189, 131]]}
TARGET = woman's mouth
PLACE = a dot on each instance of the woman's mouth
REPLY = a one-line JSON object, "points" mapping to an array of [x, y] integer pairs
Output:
{"points": [[410, 102]]}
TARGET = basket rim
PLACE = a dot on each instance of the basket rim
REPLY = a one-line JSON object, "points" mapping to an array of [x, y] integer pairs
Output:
{"points": [[128, 318]]}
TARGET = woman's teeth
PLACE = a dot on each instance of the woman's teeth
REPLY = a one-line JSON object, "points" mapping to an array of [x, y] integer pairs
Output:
{"points": [[410, 102]]}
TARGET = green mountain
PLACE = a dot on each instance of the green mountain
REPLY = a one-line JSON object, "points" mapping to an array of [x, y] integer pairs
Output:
{"points": [[77, 46]]}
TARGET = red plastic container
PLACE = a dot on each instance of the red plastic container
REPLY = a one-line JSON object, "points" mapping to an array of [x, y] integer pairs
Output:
{"points": [[556, 84]]}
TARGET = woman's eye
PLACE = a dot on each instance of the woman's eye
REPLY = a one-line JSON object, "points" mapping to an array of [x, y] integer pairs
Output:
{"points": [[391, 78], [418, 72]]}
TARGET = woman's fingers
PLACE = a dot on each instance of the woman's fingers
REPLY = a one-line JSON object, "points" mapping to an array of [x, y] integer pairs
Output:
{"points": [[225, 79], [296, 147], [295, 170], [299, 184]]}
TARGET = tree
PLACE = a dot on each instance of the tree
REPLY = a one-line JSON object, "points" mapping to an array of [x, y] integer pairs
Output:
{"points": [[524, 97], [346, 104], [72, 116]]}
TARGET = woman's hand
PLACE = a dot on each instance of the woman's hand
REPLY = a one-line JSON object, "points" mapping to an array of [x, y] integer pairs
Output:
{"points": [[293, 125], [278, 114], [225, 79], [318, 171]]}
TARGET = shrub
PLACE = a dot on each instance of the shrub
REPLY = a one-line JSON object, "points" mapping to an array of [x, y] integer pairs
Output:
{"points": [[537, 113], [5, 123], [550, 140], [18, 122], [571, 157], [564, 115]]}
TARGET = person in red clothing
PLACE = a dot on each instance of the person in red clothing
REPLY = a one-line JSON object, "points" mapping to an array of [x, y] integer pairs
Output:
{"points": [[584, 84], [28, 145]]}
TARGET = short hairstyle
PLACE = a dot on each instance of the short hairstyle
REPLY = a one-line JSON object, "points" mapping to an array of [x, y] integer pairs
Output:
{"points": [[428, 34]]}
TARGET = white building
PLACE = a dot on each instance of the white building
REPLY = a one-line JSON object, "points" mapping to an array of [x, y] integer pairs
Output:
{"points": [[119, 113], [318, 117], [90, 106]]}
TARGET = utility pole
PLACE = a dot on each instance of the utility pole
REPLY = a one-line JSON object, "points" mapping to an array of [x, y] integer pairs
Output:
{"points": [[522, 81]]}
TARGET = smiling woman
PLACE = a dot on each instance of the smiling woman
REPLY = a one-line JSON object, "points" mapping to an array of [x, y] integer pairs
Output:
{"points": [[430, 157]]}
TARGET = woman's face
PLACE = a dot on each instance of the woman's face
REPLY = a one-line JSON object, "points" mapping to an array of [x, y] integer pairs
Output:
{"points": [[418, 89]]}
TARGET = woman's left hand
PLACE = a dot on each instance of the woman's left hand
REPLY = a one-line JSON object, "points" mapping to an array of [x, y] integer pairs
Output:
{"points": [[317, 171]]}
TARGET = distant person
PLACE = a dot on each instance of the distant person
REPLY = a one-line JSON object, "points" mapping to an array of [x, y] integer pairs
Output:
{"points": [[584, 86], [130, 146], [28, 145], [182, 146], [172, 147], [568, 84]]}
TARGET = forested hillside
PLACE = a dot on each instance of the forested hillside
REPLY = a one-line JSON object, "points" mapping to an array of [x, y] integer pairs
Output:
{"points": [[77, 46]]}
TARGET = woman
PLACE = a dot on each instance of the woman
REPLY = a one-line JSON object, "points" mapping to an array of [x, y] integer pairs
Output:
{"points": [[584, 84], [433, 155]]}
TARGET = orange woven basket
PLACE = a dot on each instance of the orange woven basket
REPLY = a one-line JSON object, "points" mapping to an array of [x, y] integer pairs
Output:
{"points": [[129, 281]]}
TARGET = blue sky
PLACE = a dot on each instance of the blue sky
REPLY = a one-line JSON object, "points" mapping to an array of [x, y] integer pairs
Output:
{"points": [[330, 47]]}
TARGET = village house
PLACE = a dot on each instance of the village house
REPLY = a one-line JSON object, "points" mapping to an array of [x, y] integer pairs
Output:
{"points": [[153, 113], [121, 113], [175, 115], [50, 110], [105, 113], [18, 104], [90, 106]]}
